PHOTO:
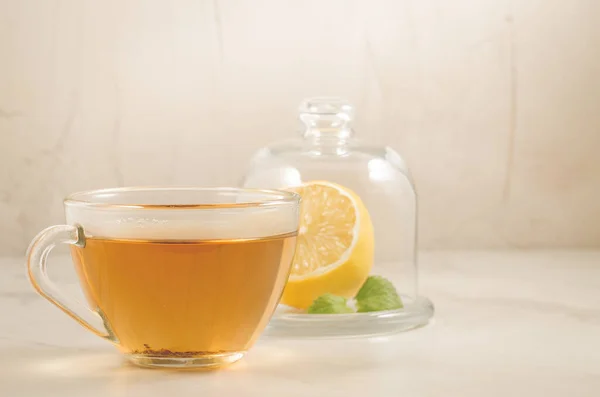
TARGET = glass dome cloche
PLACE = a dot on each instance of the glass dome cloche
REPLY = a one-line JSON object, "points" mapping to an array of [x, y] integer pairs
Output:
{"points": [[355, 268]]}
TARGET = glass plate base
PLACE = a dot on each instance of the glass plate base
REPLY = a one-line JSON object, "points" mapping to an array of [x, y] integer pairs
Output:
{"points": [[286, 323]]}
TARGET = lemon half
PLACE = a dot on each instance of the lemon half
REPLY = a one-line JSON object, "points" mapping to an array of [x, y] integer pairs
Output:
{"points": [[335, 246]]}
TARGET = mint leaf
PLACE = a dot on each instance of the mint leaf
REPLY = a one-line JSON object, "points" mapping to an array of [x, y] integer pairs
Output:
{"points": [[376, 294], [329, 304]]}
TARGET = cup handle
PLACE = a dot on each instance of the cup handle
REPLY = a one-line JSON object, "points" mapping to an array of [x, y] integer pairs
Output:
{"points": [[37, 255]]}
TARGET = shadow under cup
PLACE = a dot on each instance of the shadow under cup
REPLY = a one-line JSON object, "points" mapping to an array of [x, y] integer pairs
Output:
{"points": [[175, 277]]}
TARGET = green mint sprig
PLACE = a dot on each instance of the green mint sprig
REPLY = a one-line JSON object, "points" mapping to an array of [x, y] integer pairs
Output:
{"points": [[329, 304], [376, 294]]}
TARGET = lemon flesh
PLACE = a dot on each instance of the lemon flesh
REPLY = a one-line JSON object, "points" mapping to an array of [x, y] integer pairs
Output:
{"points": [[335, 245]]}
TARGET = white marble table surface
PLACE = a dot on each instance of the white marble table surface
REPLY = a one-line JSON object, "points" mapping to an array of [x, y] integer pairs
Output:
{"points": [[507, 324]]}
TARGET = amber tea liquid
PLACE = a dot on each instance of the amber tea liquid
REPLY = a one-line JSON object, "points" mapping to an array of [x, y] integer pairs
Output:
{"points": [[184, 298]]}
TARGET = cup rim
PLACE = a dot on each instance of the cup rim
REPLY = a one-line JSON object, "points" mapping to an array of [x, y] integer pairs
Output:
{"points": [[272, 197]]}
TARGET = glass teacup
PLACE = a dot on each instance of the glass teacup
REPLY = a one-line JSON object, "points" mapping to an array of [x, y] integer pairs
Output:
{"points": [[175, 277]]}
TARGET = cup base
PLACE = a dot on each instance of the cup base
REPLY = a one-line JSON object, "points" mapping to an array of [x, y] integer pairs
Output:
{"points": [[209, 361]]}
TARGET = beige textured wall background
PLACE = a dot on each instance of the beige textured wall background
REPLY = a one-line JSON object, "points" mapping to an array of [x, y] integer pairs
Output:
{"points": [[493, 103]]}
